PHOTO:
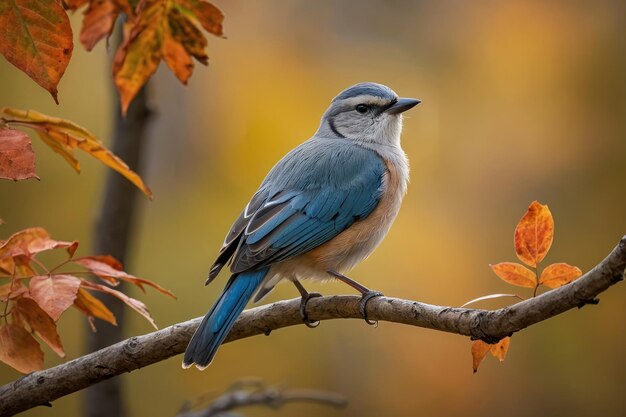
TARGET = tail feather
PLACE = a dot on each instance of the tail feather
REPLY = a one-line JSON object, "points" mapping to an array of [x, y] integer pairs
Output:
{"points": [[220, 319]]}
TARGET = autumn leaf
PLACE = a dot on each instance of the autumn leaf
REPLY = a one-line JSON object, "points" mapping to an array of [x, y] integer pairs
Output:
{"points": [[31, 241], [17, 159], [534, 234], [163, 30], [36, 37], [99, 18], [19, 349], [64, 137], [500, 349], [515, 274], [136, 305], [54, 293], [92, 307], [481, 348], [479, 351], [12, 290], [110, 270], [28, 311], [558, 274]]}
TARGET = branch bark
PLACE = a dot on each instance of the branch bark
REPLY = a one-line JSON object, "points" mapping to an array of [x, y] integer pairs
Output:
{"points": [[39, 388]]}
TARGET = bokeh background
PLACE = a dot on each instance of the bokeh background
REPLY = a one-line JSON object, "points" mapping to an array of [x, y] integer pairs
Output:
{"points": [[521, 101]]}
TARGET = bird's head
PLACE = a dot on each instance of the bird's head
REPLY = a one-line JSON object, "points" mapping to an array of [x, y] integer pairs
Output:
{"points": [[366, 112]]}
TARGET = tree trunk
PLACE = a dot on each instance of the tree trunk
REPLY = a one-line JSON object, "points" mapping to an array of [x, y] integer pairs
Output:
{"points": [[112, 236]]}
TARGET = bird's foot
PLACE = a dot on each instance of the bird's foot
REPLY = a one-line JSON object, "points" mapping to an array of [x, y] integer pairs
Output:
{"points": [[304, 300], [363, 305], [366, 295], [305, 317]]}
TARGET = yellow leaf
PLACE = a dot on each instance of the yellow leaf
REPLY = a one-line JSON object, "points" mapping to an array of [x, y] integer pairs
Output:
{"points": [[558, 274], [64, 136], [534, 234], [515, 274]]}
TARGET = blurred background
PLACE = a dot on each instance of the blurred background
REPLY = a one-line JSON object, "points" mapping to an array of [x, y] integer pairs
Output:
{"points": [[521, 101]]}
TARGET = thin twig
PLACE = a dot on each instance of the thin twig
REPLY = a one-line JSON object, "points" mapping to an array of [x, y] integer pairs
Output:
{"points": [[489, 325], [250, 393]]}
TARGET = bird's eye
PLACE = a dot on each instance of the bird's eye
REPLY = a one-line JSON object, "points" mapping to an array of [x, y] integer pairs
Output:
{"points": [[362, 108]]}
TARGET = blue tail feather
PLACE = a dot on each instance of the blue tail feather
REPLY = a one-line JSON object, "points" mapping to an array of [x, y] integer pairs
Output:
{"points": [[220, 319]]}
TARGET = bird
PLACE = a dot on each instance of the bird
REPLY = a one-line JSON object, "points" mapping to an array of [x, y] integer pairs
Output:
{"points": [[322, 209]]}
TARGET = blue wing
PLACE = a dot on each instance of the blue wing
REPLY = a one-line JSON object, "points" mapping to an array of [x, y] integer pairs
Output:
{"points": [[313, 194]]}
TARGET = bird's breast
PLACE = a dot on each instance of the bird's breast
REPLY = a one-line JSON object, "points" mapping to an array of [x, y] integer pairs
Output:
{"points": [[359, 240]]}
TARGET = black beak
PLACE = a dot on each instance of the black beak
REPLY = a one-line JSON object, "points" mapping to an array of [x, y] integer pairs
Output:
{"points": [[402, 105]]}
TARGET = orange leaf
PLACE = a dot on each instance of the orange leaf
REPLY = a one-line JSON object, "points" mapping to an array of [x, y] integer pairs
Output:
{"points": [[11, 291], [92, 307], [500, 349], [31, 241], [163, 29], [17, 159], [19, 349], [136, 305], [559, 274], [64, 136], [209, 16], [515, 274], [39, 322], [106, 267], [36, 37], [479, 351], [534, 234], [55, 293], [99, 19]]}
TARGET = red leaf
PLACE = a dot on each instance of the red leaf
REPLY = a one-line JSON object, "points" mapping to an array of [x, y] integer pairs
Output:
{"points": [[17, 159], [36, 37], [12, 291], [40, 322], [19, 349], [109, 270], [32, 241], [100, 19], [55, 293], [136, 305]]}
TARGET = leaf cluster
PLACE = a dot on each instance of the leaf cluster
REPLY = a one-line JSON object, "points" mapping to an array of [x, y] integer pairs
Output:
{"points": [[532, 240], [37, 38], [33, 296]]}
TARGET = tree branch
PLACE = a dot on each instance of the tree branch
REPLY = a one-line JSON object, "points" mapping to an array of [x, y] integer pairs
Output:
{"points": [[39, 388], [253, 392]]}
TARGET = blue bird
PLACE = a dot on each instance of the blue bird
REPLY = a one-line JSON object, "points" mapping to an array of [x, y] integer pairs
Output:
{"points": [[321, 210]]}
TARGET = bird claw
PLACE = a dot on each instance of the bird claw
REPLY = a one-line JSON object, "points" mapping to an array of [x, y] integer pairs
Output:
{"points": [[363, 306], [305, 317]]}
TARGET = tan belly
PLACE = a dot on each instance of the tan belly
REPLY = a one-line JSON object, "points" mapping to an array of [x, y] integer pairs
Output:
{"points": [[352, 245]]}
